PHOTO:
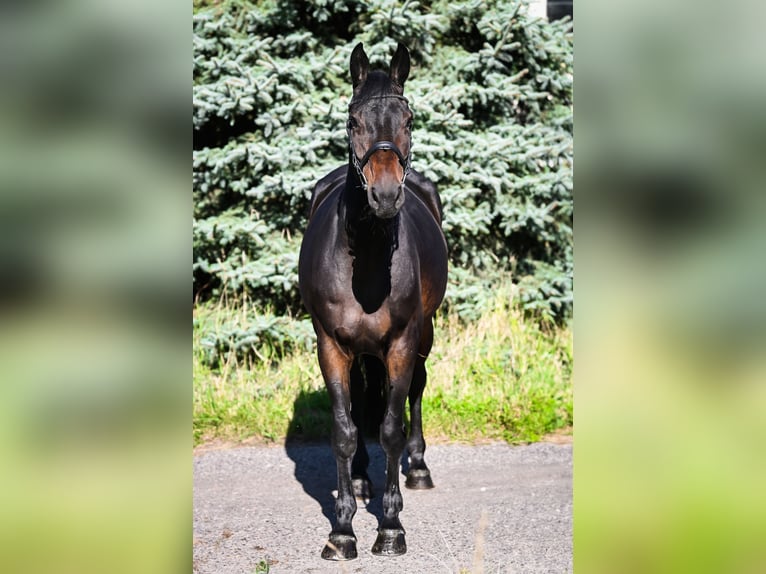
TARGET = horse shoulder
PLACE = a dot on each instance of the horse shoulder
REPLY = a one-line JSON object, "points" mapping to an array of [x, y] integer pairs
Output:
{"points": [[428, 247], [425, 227], [426, 191], [332, 181]]}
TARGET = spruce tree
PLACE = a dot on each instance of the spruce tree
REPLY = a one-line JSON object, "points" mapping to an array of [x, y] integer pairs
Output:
{"points": [[491, 92]]}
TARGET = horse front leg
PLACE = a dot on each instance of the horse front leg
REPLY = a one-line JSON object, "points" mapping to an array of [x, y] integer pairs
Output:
{"points": [[400, 363], [336, 365]]}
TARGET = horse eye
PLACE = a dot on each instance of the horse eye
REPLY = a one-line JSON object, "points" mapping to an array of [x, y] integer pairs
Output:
{"points": [[409, 124], [351, 124]]}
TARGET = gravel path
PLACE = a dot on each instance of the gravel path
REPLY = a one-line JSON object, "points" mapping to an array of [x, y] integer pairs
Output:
{"points": [[495, 508]]}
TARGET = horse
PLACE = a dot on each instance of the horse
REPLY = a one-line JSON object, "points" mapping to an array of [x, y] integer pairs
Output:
{"points": [[372, 273]]}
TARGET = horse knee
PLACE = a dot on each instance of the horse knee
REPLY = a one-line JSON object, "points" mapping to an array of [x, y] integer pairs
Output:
{"points": [[392, 435], [344, 438]]}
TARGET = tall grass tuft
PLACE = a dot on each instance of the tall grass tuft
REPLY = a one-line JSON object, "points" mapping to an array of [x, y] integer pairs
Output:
{"points": [[502, 377]]}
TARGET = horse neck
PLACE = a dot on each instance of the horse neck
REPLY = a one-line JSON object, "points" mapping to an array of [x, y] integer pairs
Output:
{"points": [[366, 233], [354, 199]]}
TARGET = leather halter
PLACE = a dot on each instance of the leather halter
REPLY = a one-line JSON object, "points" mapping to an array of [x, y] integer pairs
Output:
{"points": [[382, 145]]}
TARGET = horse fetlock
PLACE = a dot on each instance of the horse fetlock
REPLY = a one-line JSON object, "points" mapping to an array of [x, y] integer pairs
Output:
{"points": [[419, 479], [345, 509], [416, 444], [362, 487], [393, 502], [416, 460]]}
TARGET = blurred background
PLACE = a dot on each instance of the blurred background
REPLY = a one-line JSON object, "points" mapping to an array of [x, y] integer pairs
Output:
{"points": [[94, 256], [670, 377]]}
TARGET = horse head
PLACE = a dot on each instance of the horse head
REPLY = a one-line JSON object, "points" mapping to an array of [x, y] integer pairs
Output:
{"points": [[379, 130]]}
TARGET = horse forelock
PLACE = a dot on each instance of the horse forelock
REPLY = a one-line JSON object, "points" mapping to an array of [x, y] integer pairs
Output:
{"points": [[377, 85]]}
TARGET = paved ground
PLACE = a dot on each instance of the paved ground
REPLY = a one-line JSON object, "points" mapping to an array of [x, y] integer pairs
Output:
{"points": [[495, 508]]}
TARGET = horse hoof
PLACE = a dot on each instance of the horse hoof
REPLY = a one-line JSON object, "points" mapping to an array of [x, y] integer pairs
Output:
{"points": [[418, 479], [362, 489], [340, 547], [389, 543]]}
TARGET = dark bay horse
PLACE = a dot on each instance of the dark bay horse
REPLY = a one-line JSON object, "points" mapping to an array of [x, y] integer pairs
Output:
{"points": [[373, 270]]}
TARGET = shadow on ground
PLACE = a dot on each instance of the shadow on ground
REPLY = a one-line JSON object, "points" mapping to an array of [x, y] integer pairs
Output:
{"points": [[308, 446]]}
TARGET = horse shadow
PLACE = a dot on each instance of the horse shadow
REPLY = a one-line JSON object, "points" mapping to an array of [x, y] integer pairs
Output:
{"points": [[307, 444]]}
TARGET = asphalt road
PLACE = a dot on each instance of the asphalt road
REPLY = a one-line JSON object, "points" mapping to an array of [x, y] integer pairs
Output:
{"points": [[495, 508]]}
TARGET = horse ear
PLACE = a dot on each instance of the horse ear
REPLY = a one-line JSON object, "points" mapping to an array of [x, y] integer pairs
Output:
{"points": [[359, 66], [400, 65]]}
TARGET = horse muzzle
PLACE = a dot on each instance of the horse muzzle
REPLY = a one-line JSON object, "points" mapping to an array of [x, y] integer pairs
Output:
{"points": [[385, 196], [385, 202]]}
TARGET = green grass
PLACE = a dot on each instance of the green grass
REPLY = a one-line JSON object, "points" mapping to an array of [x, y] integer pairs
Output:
{"points": [[500, 377]]}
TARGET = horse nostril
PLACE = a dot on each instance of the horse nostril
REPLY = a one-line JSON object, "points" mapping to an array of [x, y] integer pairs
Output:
{"points": [[375, 197]]}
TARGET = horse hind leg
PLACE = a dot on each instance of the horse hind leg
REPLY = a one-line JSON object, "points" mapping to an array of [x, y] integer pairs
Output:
{"points": [[360, 480], [418, 475]]}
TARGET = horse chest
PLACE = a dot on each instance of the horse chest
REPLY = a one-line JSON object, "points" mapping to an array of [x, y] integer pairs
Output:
{"points": [[362, 332], [370, 300], [359, 330]]}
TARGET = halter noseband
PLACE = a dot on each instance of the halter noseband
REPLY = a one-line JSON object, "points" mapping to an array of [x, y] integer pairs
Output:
{"points": [[384, 145]]}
